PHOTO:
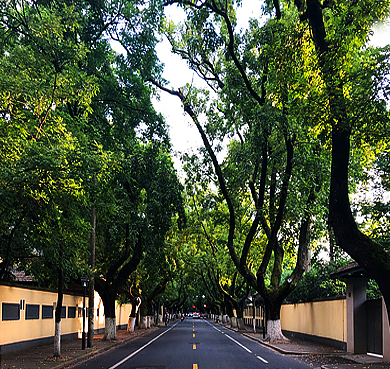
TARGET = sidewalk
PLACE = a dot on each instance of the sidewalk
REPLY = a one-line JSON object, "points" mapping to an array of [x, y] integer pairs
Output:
{"points": [[71, 353], [318, 356]]}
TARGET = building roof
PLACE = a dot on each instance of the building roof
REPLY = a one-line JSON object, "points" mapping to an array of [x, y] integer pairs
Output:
{"points": [[351, 270]]}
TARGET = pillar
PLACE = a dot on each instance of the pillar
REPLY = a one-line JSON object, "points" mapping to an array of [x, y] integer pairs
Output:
{"points": [[386, 333], [356, 315]]}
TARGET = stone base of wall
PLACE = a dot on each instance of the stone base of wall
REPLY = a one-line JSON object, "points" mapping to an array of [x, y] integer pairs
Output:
{"points": [[316, 339], [18, 346]]}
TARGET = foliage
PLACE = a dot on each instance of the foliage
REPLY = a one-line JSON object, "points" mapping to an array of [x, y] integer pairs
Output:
{"points": [[317, 284]]}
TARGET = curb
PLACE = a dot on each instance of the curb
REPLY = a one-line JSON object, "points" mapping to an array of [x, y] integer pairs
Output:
{"points": [[282, 351]]}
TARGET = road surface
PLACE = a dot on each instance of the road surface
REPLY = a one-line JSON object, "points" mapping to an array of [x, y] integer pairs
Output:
{"points": [[193, 344]]}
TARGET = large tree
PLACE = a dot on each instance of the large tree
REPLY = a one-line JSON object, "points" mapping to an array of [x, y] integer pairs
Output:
{"points": [[71, 106], [273, 176], [42, 158], [353, 78], [146, 195]]}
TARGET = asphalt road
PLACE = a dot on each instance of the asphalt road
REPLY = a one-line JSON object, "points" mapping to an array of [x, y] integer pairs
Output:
{"points": [[193, 344]]}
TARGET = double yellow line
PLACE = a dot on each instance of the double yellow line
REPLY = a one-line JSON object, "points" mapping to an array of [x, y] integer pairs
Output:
{"points": [[194, 366]]}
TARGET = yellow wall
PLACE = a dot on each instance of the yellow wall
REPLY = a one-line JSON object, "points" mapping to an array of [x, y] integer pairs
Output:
{"points": [[327, 319], [321, 318], [12, 331]]}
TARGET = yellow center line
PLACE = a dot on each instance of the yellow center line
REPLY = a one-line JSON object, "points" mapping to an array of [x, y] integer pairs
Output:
{"points": [[195, 366], [193, 335], [194, 346]]}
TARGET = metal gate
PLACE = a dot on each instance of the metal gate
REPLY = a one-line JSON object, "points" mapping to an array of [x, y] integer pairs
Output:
{"points": [[374, 327]]}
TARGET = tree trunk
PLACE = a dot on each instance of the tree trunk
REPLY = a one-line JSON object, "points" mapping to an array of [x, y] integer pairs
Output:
{"points": [[91, 291], [110, 319], [131, 324], [109, 329], [143, 324], [240, 315], [60, 296], [57, 339], [228, 307], [370, 255], [274, 328]]}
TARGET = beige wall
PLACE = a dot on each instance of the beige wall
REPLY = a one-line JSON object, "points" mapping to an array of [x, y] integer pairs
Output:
{"points": [[12, 331], [326, 319]]}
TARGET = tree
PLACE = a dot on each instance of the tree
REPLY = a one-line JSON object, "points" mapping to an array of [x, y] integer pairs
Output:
{"points": [[268, 174], [41, 159], [71, 105], [338, 42], [146, 195]]}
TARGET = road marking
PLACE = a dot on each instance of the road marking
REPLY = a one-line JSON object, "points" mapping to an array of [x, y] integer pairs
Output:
{"points": [[238, 343], [212, 325], [263, 360], [195, 366], [140, 349], [193, 335], [194, 346]]}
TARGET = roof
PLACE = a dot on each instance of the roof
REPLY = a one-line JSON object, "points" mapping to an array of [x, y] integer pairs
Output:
{"points": [[351, 270]]}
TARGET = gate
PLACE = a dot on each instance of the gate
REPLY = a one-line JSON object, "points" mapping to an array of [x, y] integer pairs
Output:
{"points": [[374, 327]]}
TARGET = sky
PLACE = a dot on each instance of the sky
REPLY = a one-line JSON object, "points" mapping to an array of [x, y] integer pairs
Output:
{"points": [[184, 135]]}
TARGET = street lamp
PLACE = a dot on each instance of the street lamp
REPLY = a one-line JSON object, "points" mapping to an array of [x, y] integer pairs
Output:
{"points": [[84, 282]]}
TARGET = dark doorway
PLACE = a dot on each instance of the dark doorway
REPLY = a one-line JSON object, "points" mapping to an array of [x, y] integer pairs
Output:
{"points": [[374, 327]]}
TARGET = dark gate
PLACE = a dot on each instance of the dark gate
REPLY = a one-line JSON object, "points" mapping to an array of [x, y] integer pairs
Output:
{"points": [[374, 327]]}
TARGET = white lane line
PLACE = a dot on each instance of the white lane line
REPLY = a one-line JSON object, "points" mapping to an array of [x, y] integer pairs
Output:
{"points": [[238, 343], [140, 349], [263, 360], [215, 328]]}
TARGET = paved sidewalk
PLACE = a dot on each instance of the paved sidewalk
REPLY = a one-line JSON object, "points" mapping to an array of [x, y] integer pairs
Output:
{"points": [[315, 355], [320, 356], [41, 357]]}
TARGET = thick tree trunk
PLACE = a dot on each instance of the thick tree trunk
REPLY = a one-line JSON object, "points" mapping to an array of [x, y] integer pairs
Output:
{"points": [[109, 329], [240, 316], [110, 319], [131, 324], [143, 324], [228, 307], [274, 328], [91, 291], [60, 296], [57, 339], [370, 255]]}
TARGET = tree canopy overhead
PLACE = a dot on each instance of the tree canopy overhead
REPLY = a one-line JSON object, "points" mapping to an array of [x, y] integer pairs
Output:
{"points": [[295, 92], [294, 122]]}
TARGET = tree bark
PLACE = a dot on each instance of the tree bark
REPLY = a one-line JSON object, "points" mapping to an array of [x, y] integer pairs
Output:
{"points": [[60, 296], [369, 255], [91, 291], [273, 305], [109, 298]]}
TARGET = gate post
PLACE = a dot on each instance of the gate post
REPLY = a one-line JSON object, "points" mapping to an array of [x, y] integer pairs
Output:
{"points": [[386, 333], [356, 315]]}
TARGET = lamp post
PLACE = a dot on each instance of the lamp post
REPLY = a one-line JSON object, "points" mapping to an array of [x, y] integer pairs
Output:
{"points": [[84, 283]]}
